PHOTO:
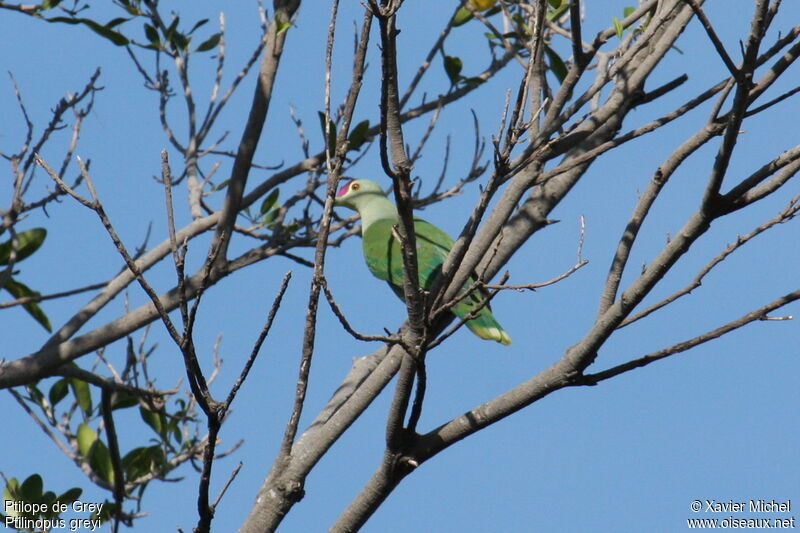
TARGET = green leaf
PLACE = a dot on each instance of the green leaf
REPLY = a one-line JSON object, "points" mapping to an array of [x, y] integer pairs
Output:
{"points": [[27, 242], [474, 81], [209, 43], [154, 420], [197, 25], [31, 489], [86, 438], [269, 201], [111, 509], [557, 65], [139, 462], [462, 16], [50, 4], [116, 22], [618, 27], [103, 31], [100, 461], [151, 33], [358, 135], [11, 494], [145, 460], [627, 11], [179, 41], [453, 66], [331, 131], [96, 451], [270, 217], [221, 186], [70, 496], [172, 28], [80, 389], [58, 391], [48, 498], [135, 463], [558, 9], [123, 400], [20, 290], [12, 487], [284, 26], [135, 11], [176, 432]]}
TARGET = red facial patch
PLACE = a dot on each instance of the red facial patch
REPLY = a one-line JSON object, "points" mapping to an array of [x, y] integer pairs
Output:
{"points": [[344, 188]]}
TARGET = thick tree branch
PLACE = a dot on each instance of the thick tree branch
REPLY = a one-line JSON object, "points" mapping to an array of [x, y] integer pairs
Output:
{"points": [[276, 37], [741, 99], [399, 170], [660, 178]]}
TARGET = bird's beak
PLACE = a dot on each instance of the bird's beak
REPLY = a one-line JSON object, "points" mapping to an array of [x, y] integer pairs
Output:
{"points": [[345, 186]]}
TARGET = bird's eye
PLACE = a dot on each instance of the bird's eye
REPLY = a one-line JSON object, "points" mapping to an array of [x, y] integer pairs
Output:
{"points": [[355, 187]]}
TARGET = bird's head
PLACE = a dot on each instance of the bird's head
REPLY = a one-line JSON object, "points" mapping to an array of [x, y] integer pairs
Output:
{"points": [[355, 193]]}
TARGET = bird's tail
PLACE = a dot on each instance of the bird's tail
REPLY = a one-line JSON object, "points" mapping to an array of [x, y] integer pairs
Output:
{"points": [[486, 327]]}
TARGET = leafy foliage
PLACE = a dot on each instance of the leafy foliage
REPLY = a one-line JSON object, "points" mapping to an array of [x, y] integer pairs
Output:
{"points": [[31, 494], [27, 242]]}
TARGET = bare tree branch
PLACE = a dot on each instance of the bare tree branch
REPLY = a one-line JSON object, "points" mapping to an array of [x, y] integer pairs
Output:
{"points": [[784, 216], [284, 10], [758, 314]]}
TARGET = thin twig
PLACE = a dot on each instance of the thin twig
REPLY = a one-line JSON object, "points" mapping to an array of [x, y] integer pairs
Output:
{"points": [[334, 170], [535, 286], [71, 454], [97, 207], [276, 304], [394, 339], [758, 314], [255, 123], [228, 483], [784, 216], [113, 386], [178, 253], [723, 54]]}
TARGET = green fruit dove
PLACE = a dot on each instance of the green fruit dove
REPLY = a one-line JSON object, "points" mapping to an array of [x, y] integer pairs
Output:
{"points": [[382, 252]]}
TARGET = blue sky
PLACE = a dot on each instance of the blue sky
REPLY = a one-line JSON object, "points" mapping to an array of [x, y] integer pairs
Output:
{"points": [[719, 422]]}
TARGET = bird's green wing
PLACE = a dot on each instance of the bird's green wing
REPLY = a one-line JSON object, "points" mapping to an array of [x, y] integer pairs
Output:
{"points": [[379, 250], [384, 258], [383, 252], [433, 245]]}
